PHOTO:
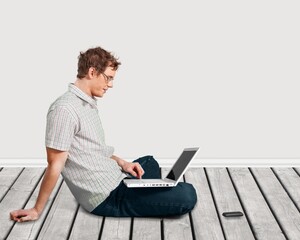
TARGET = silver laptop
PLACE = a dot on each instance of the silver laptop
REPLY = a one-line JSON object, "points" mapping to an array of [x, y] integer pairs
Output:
{"points": [[173, 176]]}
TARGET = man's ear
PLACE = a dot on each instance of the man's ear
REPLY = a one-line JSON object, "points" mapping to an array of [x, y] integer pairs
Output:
{"points": [[91, 72]]}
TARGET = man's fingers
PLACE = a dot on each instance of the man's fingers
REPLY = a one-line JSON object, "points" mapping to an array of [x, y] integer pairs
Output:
{"points": [[139, 170], [135, 169], [15, 215], [23, 215], [133, 173], [12, 216], [24, 219]]}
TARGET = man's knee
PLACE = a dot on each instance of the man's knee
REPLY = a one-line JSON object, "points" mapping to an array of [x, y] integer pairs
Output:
{"points": [[147, 160], [189, 195], [151, 160]]}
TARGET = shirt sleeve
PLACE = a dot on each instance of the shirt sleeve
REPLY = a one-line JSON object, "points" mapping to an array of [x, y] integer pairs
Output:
{"points": [[60, 129]]}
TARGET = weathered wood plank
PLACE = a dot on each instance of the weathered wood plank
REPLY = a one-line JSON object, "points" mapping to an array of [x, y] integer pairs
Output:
{"points": [[146, 229], [7, 177], [59, 220], [280, 203], [226, 201], [86, 226], [297, 170], [177, 228], [17, 197], [205, 218], [30, 230], [291, 182], [260, 216], [116, 228]]}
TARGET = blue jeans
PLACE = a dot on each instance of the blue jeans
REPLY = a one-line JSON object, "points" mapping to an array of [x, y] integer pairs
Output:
{"points": [[148, 202]]}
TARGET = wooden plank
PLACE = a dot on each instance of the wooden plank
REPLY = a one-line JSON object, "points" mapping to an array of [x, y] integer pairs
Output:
{"points": [[30, 230], [146, 229], [291, 182], [17, 197], [86, 226], [260, 216], [7, 177], [283, 208], [116, 228], [177, 228], [60, 218], [297, 170], [226, 200], [205, 218]]}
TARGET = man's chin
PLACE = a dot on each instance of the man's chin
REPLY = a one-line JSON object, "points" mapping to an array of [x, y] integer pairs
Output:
{"points": [[100, 95]]}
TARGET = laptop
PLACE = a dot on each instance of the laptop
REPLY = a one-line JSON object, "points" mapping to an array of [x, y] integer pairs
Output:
{"points": [[173, 177]]}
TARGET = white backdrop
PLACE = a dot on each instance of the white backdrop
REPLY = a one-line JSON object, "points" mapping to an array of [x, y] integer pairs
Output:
{"points": [[222, 75]]}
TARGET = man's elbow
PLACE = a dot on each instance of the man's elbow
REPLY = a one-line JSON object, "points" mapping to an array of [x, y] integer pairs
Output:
{"points": [[56, 159]]}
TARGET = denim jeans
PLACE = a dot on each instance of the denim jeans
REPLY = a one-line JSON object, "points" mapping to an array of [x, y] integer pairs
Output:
{"points": [[148, 202]]}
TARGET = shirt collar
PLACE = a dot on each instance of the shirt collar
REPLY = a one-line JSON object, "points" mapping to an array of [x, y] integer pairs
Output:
{"points": [[79, 93]]}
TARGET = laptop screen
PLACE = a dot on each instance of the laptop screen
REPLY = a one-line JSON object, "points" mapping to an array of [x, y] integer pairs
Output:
{"points": [[181, 164]]}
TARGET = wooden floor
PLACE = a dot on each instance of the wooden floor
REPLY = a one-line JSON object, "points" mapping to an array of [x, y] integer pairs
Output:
{"points": [[268, 197]]}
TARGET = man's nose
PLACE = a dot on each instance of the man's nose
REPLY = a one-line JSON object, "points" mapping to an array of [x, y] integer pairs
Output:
{"points": [[110, 84]]}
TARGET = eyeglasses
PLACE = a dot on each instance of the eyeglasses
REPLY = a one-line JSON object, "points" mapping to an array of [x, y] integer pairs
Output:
{"points": [[107, 78]]}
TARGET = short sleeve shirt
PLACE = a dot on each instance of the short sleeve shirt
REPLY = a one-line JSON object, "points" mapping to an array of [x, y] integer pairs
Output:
{"points": [[74, 125]]}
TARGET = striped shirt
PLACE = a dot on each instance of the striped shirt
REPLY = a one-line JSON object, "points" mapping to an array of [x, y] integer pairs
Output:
{"points": [[73, 125]]}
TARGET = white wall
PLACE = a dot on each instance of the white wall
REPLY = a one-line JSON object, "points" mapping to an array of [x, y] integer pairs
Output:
{"points": [[222, 75]]}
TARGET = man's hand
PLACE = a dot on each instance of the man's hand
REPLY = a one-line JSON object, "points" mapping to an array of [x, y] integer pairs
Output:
{"points": [[134, 168], [56, 162], [24, 215]]}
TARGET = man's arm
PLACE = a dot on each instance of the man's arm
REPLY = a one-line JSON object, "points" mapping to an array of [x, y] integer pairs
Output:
{"points": [[56, 162], [133, 168]]}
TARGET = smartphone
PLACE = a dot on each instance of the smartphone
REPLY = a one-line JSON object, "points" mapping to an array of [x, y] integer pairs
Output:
{"points": [[232, 214]]}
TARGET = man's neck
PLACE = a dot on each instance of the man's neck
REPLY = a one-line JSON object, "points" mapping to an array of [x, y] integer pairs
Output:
{"points": [[83, 86]]}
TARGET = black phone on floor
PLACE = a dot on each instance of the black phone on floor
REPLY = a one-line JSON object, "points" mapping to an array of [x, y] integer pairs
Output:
{"points": [[233, 214]]}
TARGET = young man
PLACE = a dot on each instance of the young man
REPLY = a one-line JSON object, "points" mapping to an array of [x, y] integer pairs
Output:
{"points": [[76, 149]]}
